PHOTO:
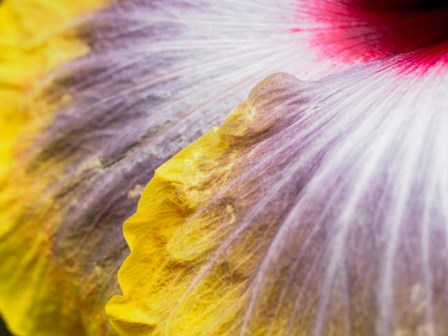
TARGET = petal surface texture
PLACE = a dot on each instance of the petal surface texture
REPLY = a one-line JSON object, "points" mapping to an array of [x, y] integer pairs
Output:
{"points": [[151, 76], [316, 208]]}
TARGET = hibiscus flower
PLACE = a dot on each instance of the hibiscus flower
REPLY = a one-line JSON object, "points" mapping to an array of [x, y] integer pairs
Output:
{"points": [[317, 207]]}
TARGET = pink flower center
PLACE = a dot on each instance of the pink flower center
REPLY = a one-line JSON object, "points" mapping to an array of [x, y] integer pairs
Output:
{"points": [[359, 31]]}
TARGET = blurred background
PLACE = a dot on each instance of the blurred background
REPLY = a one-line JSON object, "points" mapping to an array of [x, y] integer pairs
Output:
{"points": [[3, 330]]}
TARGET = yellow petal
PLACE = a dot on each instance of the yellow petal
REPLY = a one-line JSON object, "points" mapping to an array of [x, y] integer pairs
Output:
{"points": [[171, 285]]}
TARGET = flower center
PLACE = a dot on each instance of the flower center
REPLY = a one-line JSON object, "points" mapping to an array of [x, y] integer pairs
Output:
{"points": [[409, 4], [357, 31]]}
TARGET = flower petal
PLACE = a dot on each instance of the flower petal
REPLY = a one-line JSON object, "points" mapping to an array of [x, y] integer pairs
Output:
{"points": [[317, 208]]}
